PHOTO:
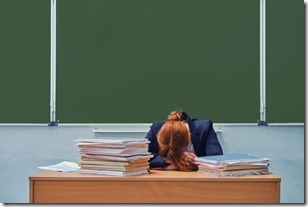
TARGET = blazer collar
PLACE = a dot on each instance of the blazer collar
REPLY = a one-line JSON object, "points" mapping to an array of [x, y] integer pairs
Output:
{"points": [[193, 133], [189, 121]]}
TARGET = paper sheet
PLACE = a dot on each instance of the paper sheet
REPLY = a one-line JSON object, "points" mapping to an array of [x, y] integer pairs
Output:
{"points": [[64, 166]]}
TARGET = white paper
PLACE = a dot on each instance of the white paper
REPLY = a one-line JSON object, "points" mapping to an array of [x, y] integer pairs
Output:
{"points": [[64, 166]]}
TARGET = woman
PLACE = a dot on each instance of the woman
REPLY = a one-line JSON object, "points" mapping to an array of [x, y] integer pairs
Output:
{"points": [[176, 142]]}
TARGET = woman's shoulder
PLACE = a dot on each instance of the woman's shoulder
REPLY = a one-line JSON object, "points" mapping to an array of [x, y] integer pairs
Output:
{"points": [[157, 125], [154, 129], [202, 121], [202, 124]]}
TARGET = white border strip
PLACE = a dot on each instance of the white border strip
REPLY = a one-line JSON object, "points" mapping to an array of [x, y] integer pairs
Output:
{"points": [[23, 125], [262, 120], [53, 44], [134, 127]]}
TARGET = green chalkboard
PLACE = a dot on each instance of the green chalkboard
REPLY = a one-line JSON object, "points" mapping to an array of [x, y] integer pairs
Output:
{"points": [[134, 61], [137, 60], [24, 61], [285, 61]]}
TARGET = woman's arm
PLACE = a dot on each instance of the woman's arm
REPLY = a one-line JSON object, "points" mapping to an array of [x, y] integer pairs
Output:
{"points": [[156, 161], [212, 145]]}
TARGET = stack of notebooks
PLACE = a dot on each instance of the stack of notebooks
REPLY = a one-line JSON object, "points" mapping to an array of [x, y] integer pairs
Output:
{"points": [[232, 165], [112, 156]]}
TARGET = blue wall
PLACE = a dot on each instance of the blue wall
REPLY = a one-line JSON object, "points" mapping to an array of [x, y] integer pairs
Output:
{"points": [[25, 148]]}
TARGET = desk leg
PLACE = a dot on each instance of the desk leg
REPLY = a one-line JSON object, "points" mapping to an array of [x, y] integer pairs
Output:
{"points": [[31, 191]]}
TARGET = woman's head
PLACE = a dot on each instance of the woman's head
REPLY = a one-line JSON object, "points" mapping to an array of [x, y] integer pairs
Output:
{"points": [[173, 139]]}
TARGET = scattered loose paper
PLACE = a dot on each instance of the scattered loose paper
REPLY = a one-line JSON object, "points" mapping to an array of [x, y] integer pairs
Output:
{"points": [[64, 166]]}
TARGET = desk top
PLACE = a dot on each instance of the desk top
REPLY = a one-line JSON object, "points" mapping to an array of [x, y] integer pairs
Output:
{"points": [[157, 175]]}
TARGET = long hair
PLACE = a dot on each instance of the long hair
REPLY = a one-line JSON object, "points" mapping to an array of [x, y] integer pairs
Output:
{"points": [[173, 139]]}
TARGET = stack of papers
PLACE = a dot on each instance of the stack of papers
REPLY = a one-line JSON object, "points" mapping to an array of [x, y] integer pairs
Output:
{"points": [[111, 156], [232, 165]]}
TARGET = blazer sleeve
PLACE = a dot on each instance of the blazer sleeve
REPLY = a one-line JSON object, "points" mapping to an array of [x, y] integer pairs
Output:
{"points": [[212, 146], [156, 161]]}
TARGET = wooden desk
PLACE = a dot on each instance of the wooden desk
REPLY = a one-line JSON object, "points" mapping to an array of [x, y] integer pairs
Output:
{"points": [[155, 187]]}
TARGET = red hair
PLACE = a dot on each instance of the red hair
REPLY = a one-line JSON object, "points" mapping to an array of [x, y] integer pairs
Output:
{"points": [[173, 138]]}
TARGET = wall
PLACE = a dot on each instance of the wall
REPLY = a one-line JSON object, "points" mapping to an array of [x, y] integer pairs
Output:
{"points": [[23, 149]]}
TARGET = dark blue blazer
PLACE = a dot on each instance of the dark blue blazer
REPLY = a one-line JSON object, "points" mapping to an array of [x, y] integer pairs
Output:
{"points": [[203, 138]]}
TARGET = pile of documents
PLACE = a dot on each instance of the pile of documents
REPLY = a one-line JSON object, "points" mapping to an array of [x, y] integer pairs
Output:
{"points": [[112, 156], [232, 165]]}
